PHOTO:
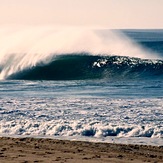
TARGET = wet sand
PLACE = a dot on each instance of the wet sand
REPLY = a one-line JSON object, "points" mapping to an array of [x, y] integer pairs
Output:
{"points": [[28, 150]]}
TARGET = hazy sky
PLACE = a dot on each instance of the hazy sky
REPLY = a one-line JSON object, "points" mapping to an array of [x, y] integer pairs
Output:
{"points": [[100, 13]]}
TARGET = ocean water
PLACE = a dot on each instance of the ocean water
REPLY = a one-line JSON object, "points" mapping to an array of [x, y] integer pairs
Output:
{"points": [[75, 84]]}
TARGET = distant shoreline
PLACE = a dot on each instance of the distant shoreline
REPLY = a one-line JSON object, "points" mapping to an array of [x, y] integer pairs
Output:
{"points": [[52, 150]]}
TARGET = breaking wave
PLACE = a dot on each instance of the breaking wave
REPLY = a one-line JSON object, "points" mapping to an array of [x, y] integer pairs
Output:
{"points": [[86, 66], [48, 53]]}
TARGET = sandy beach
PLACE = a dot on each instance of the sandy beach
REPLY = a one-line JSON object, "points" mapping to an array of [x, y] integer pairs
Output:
{"points": [[26, 150]]}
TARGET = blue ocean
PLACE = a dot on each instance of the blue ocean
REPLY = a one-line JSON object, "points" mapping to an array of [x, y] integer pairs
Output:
{"points": [[82, 84]]}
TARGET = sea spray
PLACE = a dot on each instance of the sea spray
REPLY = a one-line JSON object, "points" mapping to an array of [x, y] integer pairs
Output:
{"points": [[25, 47]]}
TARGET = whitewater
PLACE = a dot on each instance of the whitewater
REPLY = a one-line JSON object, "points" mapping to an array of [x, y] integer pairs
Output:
{"points": [[82, 84]]}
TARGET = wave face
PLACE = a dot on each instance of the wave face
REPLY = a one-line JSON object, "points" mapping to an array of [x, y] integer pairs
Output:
{"points": [[48, 53], [86, 66]]}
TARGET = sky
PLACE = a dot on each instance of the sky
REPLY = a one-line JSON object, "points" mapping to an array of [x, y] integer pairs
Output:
{"points": [[114, 14]]}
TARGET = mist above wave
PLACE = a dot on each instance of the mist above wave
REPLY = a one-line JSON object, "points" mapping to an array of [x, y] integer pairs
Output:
{"points": [[25, 47]]}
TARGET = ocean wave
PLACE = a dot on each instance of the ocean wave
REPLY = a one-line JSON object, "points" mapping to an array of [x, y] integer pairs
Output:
{"points": [[86, 66], [62, 129], [33, 52]]}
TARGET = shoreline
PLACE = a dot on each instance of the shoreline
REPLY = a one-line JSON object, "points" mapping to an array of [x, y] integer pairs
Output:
{"points": [[27, 149]]}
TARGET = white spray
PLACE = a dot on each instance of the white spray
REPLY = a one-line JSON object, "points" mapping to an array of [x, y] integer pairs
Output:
{"points": [[24, 47]]}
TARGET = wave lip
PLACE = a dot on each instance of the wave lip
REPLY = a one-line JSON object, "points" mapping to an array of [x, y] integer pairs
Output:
{"points": [[86, 66], [23, 48]]}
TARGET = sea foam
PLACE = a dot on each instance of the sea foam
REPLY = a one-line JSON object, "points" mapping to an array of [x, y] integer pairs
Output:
{"points": [[97, 118]]}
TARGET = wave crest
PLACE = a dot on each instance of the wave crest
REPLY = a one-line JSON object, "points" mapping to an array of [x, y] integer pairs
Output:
{"points": [[23, 48], [84, 66]]}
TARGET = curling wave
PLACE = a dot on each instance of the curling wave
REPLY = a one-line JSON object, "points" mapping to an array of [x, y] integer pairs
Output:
{"points": [[48, 53], [86, 66]]}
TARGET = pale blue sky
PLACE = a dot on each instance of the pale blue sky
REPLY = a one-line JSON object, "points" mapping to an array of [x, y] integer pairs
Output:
{"points": [[98, 13]]}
